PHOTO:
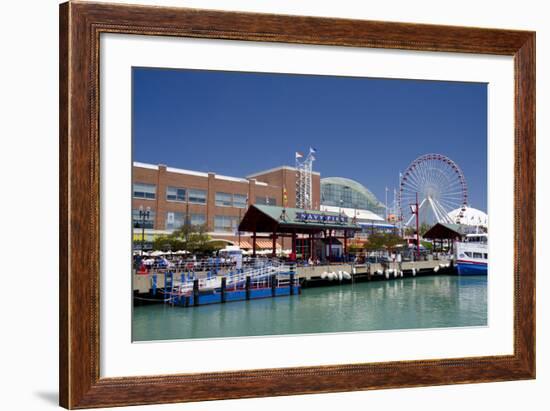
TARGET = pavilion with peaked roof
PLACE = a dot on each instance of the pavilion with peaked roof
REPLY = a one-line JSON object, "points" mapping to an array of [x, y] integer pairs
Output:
{"points": [[276, 222], [446, 232]]}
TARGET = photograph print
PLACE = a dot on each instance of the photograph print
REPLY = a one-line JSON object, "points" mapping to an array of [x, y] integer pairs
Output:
{"points": [[268, 204]]}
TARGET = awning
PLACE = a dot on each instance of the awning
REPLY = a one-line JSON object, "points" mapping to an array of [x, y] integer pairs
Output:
{"points": [[260, 244], [243, 244], [266, 244], [269, 219]]}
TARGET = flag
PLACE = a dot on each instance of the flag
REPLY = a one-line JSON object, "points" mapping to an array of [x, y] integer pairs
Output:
{"points": [[299, 155], [312, 150]]}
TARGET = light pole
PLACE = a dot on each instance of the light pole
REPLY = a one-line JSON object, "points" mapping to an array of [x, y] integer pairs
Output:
{"points": [[415, 211], [143, 215]]}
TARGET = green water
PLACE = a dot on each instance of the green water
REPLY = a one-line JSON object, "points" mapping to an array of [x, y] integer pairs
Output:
{"points": [[425, 302]]}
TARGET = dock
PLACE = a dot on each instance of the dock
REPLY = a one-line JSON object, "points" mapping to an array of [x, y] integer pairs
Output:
{"points": [[264, 279], [186, 288], [313, 275]]}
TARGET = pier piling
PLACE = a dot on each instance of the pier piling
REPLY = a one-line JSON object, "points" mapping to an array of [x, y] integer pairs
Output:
{"points": [[247, 287], [224, 285], [273, 285], [154, 285], [196, 292], [169, 285]]}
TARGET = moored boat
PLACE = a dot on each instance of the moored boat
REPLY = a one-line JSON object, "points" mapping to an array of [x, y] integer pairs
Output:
{"points": [[472, 255]]}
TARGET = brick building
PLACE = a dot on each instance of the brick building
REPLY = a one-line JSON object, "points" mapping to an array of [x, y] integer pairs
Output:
{"points": [[175, 196]]}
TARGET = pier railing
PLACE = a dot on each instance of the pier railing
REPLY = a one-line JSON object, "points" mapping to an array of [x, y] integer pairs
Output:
{"points": [[257, 273], [268, 279], [218, 265]]}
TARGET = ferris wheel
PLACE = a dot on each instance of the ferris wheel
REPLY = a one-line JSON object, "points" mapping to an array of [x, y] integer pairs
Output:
{"points": [[436, 183]]}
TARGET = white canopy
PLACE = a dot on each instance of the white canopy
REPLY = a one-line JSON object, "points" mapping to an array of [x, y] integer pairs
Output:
{"points": [[470, 216]]}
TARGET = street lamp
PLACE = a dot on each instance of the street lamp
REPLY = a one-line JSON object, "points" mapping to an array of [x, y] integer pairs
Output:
{"points": [[143, 215], [415, 210]]}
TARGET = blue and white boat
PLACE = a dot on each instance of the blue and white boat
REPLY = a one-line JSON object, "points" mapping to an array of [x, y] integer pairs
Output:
{"points": [[472, 255]]}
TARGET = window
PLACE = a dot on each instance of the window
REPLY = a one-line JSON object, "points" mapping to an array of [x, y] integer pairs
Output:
{"points": [[197, 196], [143, 221], [468, 253], [225, 223], [265, 200], [350, 195], [174, 220], [346, 195], [239, 200], [224, 200], [485, 256], [175, 194], [142, 190], [197, 219], [478, 255]]}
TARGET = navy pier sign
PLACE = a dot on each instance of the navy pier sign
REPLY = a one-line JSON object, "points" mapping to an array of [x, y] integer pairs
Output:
{"points": [[321, 218]]}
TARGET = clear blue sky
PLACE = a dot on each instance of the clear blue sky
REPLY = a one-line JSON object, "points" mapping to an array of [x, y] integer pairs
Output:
{"points": [[369, 130]]}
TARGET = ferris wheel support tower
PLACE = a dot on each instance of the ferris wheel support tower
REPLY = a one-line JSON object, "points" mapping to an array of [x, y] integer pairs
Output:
{"points": [[304, 172]]}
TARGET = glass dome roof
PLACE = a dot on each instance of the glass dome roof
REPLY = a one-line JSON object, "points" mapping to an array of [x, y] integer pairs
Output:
{"points": [[344, 192]]}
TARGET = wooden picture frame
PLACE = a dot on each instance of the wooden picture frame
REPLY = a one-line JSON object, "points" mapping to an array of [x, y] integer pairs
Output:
{"points": [[80, 27]]}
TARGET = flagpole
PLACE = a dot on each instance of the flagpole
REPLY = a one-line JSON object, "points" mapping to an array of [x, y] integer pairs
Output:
{"points": [[417, 230], [386, 204]]}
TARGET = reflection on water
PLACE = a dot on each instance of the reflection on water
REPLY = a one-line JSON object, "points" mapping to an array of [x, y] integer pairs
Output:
{"points": [[425, 302]]}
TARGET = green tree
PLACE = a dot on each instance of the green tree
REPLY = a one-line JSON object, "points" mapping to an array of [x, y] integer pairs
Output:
{"points": [[185, 231], [380, 241], [167, 242], [198, 241], [393, 241], [424, 227], [409, 231], [192, 238], [375, 242], [355, 249]]}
